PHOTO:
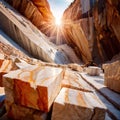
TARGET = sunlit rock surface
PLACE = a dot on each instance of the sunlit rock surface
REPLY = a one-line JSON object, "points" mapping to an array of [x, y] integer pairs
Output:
{"points": [[74, 81], [35, 86], [66, 34], [30, 38], [112, 75], [75, 40], [37, 11], [74, 105]]}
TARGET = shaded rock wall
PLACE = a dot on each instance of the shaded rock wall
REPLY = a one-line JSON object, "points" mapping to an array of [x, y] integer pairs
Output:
{"points": [[100, 21]]}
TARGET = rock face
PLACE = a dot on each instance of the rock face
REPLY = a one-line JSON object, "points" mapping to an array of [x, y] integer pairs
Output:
{"points": [[31, 88], [112, 75], [100, 23], [29, 37], [37, 11], [73, 37], [75, 105]]}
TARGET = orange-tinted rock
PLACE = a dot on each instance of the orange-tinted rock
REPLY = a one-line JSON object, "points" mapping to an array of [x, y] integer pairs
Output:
{"points": [[17, 112], [75, 37], [29, 36], [34, 86], [75, 105], [74, 81], [5, 67], [37, 11]]}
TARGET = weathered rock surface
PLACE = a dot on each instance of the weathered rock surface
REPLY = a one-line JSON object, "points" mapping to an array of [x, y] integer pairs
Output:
{"points": [[112, 75], [37, 11], [76, 40], [75, 37], [17, 112], [100, 23], [5, 67], [29, 37], [75, 105], [34, 86]]}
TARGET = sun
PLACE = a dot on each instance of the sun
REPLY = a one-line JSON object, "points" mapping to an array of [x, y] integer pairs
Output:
{"points": [[58, 21]]}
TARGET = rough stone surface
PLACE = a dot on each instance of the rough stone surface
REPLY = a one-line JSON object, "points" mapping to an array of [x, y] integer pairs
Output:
{"points": [[75, 105], [112, 75], [34, 86], [18, 112], [29, 36]]}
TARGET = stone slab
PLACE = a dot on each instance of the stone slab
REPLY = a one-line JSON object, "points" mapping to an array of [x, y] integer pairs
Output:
{"points": [[35, 86], [73, 80], [75, 105]]}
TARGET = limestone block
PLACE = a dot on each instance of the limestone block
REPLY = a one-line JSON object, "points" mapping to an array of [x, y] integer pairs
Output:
{"points": [[75, 105], [93, 70], [35, 86], [112, 76]]}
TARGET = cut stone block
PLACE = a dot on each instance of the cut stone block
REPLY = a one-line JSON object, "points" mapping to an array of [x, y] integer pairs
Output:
{"points": [[112, 76], [35, 86], [73, 80], [75, 105], [18, 112]]}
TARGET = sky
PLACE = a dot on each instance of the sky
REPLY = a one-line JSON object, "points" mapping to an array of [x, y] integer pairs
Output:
{"points": [[58, 6]]}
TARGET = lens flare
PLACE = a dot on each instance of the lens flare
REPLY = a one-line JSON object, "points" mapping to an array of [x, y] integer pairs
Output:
{"points": [[58, 21]]}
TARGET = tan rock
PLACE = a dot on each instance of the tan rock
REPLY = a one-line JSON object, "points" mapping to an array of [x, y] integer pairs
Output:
{"points": [[93, 70], [73, 80], [34, 86], [5, 66], [97, 82], [1, 57], [75, 105], [17, 112], [112, 76]]}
